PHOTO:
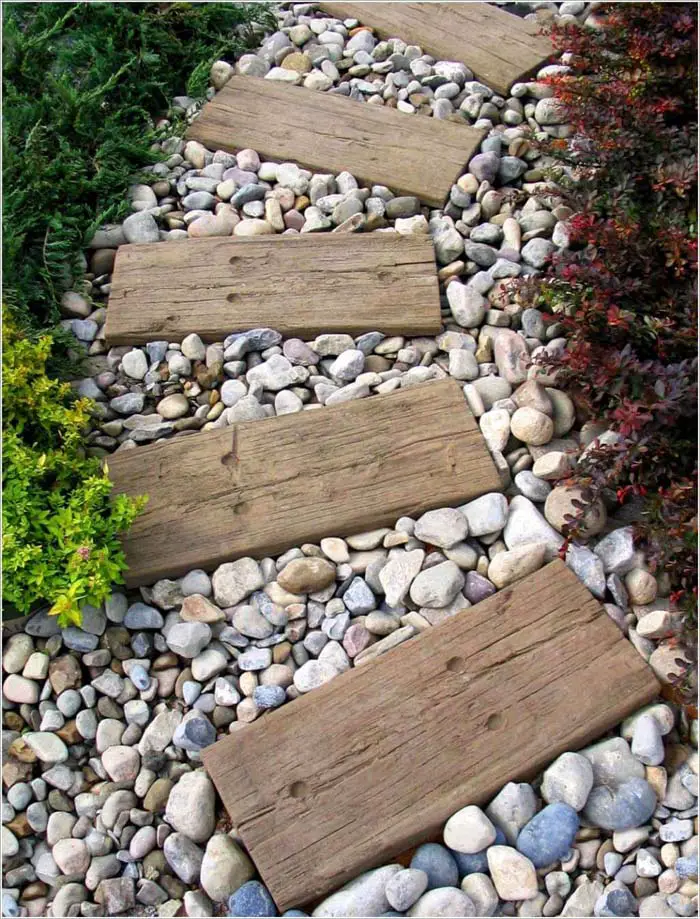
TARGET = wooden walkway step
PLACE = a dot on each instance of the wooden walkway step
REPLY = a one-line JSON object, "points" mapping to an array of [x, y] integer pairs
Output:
{"points": [[498, 47], [330, 133], [299, 285], [263, 486], [377, 759]]}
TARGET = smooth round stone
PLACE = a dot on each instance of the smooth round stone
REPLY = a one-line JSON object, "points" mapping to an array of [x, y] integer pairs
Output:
{"points": [[477, 587], [19, 689], [630, 805], [306, 575], [531, 486], [17, 652], [443, 527], [48, 747], [559, 505], [71, 856], [139, 677], [647, 742], [531, 426], [480, 890], [173, 407], [568, 780], [313, 674], [469, 831], [512, 873], [121, 763], [251, 899], [269, 696], [443, 901], [140, 616], [550, 834], [195, 734], [190, 807], [225, 868], [438, 864], [405, 887], [184, 857], [437, 586], [196, 582]]}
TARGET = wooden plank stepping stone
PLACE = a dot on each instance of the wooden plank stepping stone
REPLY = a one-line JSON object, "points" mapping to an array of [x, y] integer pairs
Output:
{"points": [[377, 759], [299, 285], [498, 47], [330, 133], [262, 486]]}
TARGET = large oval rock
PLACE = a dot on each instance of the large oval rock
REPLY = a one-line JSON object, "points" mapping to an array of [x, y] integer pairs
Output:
{"points": [[225, 868], [560, 504], [363, 896], [190, 808], [306, 575], [550, 834], [630, 805]]}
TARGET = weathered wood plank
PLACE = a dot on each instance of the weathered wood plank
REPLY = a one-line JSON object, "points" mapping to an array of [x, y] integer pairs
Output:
{"points": [[262, 486], [498, 48], [422, 157], [376, 760], [299, 285]]}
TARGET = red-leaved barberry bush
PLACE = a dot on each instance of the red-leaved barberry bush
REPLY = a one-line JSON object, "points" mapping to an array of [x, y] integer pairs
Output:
{"points": [[626, 290]]}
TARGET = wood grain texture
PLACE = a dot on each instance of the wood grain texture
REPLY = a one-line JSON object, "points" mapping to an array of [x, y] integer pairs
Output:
{"points": [[377, 759], [413, 155], [498, 47], [260, 487], [299, 285]]}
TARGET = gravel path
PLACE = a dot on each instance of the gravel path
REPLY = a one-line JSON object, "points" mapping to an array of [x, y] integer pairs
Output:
{"points": [[106, 810]]}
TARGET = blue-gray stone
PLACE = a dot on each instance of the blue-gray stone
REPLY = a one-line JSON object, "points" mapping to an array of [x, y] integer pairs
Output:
{"points": [[477, 863], [77, 640], [9, 905], [616, 902], [358, 598], [438, 863], [195, 733], [261, 339], [511, 168], [139, 677], [550, 834], [233, 637], [631, 805], [84, 329], [249, 192], [156, 351], [369, 341], [269, 696], [141, 616], [687, 867], [294, 912], [141, 644], [41, 625], [252, 899]]}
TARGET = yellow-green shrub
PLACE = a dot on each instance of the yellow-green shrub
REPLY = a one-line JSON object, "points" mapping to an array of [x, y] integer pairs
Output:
{"points": [[60, 527]]}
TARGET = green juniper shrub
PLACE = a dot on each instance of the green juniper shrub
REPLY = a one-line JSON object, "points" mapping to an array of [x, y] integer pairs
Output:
{"points": [[84, 85]]}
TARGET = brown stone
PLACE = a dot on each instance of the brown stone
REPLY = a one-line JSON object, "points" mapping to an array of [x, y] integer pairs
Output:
{"points": [[20, 825], [306, 575], [34, 890], [157, 796], [21, 751], [297, 61], [69, 733], [65, 673], [14, 771], [197, 608], [164, 661], [14, 721]]}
